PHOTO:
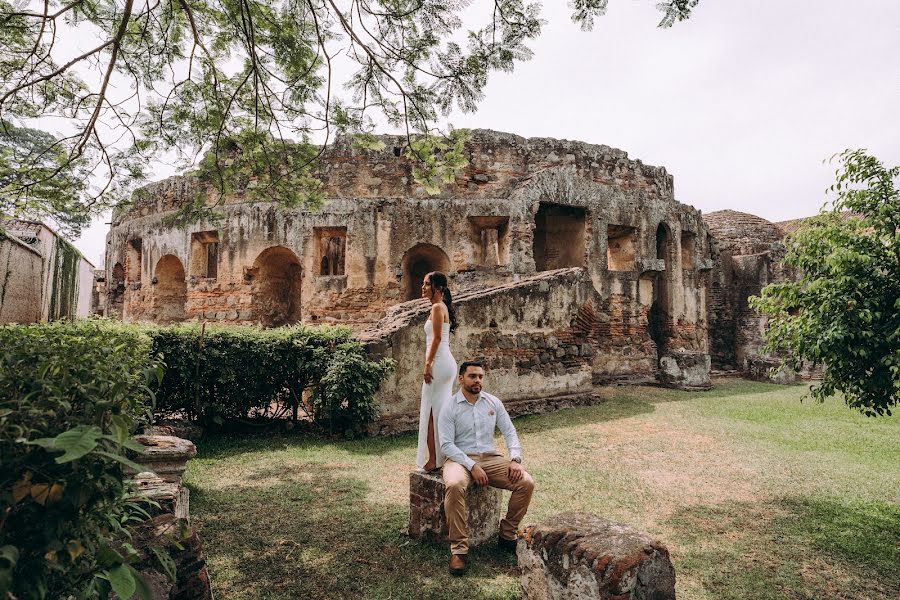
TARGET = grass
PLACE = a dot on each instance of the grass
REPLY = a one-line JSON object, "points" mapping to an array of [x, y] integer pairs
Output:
{"points": [[756, 494]]}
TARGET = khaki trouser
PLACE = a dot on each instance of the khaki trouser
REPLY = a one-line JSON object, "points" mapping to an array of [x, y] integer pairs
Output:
{"points": [[457, 480]]}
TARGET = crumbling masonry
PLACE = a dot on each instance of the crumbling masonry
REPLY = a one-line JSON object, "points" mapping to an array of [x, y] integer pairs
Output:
{"points": [[573, 265]]}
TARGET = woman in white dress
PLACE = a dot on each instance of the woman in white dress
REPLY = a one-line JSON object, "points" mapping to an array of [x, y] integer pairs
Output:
{"points": [[439, 370]]}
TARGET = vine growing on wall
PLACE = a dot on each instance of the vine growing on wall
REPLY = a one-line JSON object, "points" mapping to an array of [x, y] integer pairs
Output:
{"points": [[64, 283]]}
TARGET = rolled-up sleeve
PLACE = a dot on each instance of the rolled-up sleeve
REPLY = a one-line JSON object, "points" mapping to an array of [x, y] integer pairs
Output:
{"points": [[504, 423], [447, 435]]}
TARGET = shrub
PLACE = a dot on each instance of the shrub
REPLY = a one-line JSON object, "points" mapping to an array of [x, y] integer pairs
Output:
{"points": [[344, 397], [221, 373], [71, 394]]}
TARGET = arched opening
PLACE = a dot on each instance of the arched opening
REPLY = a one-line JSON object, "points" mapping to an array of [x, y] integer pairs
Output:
{"points": [[663, 241], [170, 290], [418, 261], [277, 286], [115, 291]]}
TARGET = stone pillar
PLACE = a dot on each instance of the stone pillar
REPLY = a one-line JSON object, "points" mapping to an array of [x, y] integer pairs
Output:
{"points": [[490, 247], [166, 455], [581, 556], [173, 498], [168, 529], [426, 510]]}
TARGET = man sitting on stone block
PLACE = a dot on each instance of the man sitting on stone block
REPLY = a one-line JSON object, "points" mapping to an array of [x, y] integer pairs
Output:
{"points": [[466, 431]]}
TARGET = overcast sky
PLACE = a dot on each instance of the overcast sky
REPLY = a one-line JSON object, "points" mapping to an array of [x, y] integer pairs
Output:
{"points": [[741, 103]]}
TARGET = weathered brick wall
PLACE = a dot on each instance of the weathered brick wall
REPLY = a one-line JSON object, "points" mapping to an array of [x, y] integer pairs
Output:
{"points": [[524, 332], [387, 221], [21, 281], [539, 337], [749, 253]]}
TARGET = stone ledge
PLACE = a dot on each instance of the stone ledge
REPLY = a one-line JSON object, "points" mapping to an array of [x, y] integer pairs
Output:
{"points": [[427, 520], [582, 556], [166, 455]]}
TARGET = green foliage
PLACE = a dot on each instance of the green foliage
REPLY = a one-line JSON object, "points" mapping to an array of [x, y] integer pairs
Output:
{"points": [[843, 311], [437, 160], [37, 180], [194, 76], [225, 373], [71, 394], [65, 281], [343, 396]]}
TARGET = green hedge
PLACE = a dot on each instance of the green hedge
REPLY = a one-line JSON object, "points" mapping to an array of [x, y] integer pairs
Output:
{"points": [[218, 374], [71, 394]]}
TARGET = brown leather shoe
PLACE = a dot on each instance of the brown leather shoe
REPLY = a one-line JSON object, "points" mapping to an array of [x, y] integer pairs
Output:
{"points": [[457, 564]]}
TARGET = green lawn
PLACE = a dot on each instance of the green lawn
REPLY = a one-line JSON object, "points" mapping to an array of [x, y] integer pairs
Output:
{"points": [[756, 495]]}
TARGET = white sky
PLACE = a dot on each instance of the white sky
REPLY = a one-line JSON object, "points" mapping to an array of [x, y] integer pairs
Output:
{"points": [[741, 103]]}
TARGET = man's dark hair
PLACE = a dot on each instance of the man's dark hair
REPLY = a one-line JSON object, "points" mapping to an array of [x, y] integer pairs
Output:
{"points": [[467, 364]]}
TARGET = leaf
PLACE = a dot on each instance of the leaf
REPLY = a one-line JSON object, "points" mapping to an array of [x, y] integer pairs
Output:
{"points": [[75, 549], [125, 461], [75, 442], [122, 581], [135, 446], [165, 561], [141, 585], [40, 492], [56, 492], [22, 488]]}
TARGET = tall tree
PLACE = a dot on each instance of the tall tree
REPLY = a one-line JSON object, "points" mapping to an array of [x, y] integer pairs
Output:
{"points": [[38, 181], [843, 311], [252, 78]]}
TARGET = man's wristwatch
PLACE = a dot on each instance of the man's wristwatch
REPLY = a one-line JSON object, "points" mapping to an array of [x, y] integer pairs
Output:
{"points": [[517, 459]]}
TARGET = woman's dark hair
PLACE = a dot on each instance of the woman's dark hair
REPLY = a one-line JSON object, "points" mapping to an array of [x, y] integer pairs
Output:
{"points": [[439, 282]]}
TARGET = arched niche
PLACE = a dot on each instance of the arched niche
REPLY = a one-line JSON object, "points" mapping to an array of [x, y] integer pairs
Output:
{"points": [[418, 261], [170, 290], [276, 287]]}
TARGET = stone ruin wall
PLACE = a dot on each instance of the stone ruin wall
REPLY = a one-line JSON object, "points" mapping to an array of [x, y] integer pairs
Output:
{"points": [[21, 290], [749, 253], [526, 333], [521, 209], [749, 249], [388, 222]]}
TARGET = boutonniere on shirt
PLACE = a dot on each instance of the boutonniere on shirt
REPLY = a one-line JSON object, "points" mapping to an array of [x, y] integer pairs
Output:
{"points": [[491, 413]]}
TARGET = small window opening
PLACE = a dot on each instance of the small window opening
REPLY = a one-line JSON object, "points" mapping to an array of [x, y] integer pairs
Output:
{"points": [[205, 254], [331, 247], [559, 237], [491, 240]]}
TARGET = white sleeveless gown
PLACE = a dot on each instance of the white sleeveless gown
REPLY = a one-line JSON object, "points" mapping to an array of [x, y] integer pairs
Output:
{"points": [[435, 394]]}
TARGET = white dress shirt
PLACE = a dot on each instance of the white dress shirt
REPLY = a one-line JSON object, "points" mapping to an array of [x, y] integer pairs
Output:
{"points": [[465, 428]]}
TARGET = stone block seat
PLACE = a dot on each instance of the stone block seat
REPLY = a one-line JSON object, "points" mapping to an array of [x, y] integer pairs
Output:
{"points": [[166, 455], [426, 509], [582, 556]]}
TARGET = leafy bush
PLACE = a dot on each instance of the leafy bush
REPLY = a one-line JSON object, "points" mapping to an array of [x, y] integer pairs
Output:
{"points": [[224, 373], [344, 397], [71, 394]]}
